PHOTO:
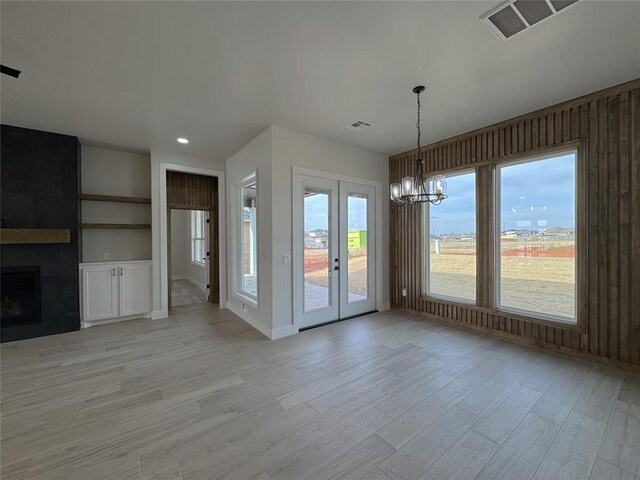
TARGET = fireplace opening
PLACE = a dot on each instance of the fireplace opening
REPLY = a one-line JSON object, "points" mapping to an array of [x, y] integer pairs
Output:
{"points": [[20, 296]]}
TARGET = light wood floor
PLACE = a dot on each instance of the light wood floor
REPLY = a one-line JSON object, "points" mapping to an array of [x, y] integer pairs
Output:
{"points": [[388, 396]]}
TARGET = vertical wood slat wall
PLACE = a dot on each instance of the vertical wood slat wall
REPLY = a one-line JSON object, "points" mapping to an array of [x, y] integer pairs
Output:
{"points": [[608, 124], [198, 192]]}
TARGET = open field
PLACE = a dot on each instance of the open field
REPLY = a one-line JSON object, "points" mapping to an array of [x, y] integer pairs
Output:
{"points": [[536, 275]]}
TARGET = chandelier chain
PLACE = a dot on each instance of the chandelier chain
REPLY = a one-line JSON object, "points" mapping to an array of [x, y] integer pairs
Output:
{"points": [[418, 128]]}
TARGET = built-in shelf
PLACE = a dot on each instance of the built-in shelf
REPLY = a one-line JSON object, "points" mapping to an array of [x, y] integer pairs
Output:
{"points": [[17, 236], [117, 226], [113, 198]]}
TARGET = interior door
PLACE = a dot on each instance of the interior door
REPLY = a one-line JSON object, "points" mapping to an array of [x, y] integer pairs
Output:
{"points": [[318, 259], [336, 257], [357, 249]]}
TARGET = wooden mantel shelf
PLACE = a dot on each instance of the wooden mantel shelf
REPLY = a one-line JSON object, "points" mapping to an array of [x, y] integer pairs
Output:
{"points": [[13, 236]]}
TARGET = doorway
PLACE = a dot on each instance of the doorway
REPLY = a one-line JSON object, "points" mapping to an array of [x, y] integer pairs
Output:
{"points": [[192, 239], [190, 257], [337, 263]]}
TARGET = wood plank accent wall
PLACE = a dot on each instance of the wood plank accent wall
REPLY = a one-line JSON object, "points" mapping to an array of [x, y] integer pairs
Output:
{"points": [[606, 125], [188, 191]]}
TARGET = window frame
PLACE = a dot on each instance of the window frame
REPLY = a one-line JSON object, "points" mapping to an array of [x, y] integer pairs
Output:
{"points": [[497, 263], [485, 309], [194, 219], [426, 264], [238, 274]]}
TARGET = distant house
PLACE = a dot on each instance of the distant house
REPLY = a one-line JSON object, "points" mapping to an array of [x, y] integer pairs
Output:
{"points": [[316, 239], [559, 232]]}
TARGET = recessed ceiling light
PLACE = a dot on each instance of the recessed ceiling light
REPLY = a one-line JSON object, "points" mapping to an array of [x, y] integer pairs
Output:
{"points": [[183, 140]]}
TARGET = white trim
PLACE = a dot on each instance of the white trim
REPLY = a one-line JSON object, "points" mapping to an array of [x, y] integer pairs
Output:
{"points": [[497, 232], [425, 235], [164, 256], [237, 234], [385, 306], [254, 322], [95, 323], [379, 195], [282, 331]]}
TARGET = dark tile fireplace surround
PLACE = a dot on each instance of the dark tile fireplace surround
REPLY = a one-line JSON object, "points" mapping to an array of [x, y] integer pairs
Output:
{"points": [[39, 189]]}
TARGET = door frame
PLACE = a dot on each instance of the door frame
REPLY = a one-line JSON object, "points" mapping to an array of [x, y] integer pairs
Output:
{"points": [[297, 241], [164, 258], [212, 252]]}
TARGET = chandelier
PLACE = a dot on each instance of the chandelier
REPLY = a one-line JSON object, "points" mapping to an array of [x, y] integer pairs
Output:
{"points": [[413, 190]]}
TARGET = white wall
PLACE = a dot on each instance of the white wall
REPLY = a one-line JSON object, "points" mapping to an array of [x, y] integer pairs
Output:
{"points": [[181, 264], [112, 172], [293, 149], [273, 154], [180, 222], [253, 157], [159, 259]]}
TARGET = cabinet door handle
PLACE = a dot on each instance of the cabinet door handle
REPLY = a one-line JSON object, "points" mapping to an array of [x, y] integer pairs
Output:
{"points": [[121, 271], [113, 272]]}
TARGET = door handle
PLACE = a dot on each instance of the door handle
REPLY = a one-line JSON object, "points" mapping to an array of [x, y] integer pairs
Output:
{"points": [[336, 268]]}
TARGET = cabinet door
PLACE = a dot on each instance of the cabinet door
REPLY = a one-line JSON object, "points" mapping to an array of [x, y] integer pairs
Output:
{"points": [[135, 288], [99, 293]]}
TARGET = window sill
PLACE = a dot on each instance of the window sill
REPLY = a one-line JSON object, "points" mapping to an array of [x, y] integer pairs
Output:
{"points": [[515, 315], [243, 297]]}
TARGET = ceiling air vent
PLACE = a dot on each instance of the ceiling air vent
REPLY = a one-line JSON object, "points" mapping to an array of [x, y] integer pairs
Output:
{"points": [[516, 16], [359, 126]]}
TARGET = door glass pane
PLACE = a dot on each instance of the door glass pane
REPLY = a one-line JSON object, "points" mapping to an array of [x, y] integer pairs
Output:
{"points": [[357, 263], [537, 237], [452, 241], [316, 248]]}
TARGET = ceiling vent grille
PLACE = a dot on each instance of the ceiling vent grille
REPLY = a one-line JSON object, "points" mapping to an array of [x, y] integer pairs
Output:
{"points": [[359, 126], [516, 16]]}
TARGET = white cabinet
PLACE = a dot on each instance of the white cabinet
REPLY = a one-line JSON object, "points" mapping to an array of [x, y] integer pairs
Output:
{"points": [[112, 291]]}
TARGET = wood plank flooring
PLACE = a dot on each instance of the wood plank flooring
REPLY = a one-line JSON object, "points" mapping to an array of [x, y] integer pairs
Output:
{"points": [[388, 396]]}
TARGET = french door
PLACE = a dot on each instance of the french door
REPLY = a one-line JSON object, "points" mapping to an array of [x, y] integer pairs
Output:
{"points": [[336, 263]]}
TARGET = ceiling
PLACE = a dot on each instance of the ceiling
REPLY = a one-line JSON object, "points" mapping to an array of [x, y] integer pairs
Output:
{"points": [[137, 75]]}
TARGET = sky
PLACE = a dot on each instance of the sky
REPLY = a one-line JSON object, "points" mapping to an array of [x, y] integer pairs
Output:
{"points": [[534, 195], [316, 208]]}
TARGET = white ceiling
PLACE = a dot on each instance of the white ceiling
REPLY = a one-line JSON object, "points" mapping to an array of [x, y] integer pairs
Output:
{"points": [[139, 74]]}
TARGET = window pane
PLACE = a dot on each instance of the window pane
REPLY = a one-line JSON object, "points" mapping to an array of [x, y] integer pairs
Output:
{"points": [[537, 236], [248, 240], [357, 247], [452, 241], [316, 248]]}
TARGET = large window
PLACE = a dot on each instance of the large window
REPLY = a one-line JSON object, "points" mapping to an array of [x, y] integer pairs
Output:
{"points": [[537, 236], [198, 240], [450, 250], [247, 258]]}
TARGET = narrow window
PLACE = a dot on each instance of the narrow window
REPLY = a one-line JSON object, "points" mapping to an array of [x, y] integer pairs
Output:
{"points": [[198, 243], [450, 249], [247, 238], [536, 234]]}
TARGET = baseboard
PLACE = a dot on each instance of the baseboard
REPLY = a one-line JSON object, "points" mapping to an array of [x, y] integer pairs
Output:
{"points": [[191, 280], [254, 322], [282, 331], [384, 306], [114, 320], [157, 314]]}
